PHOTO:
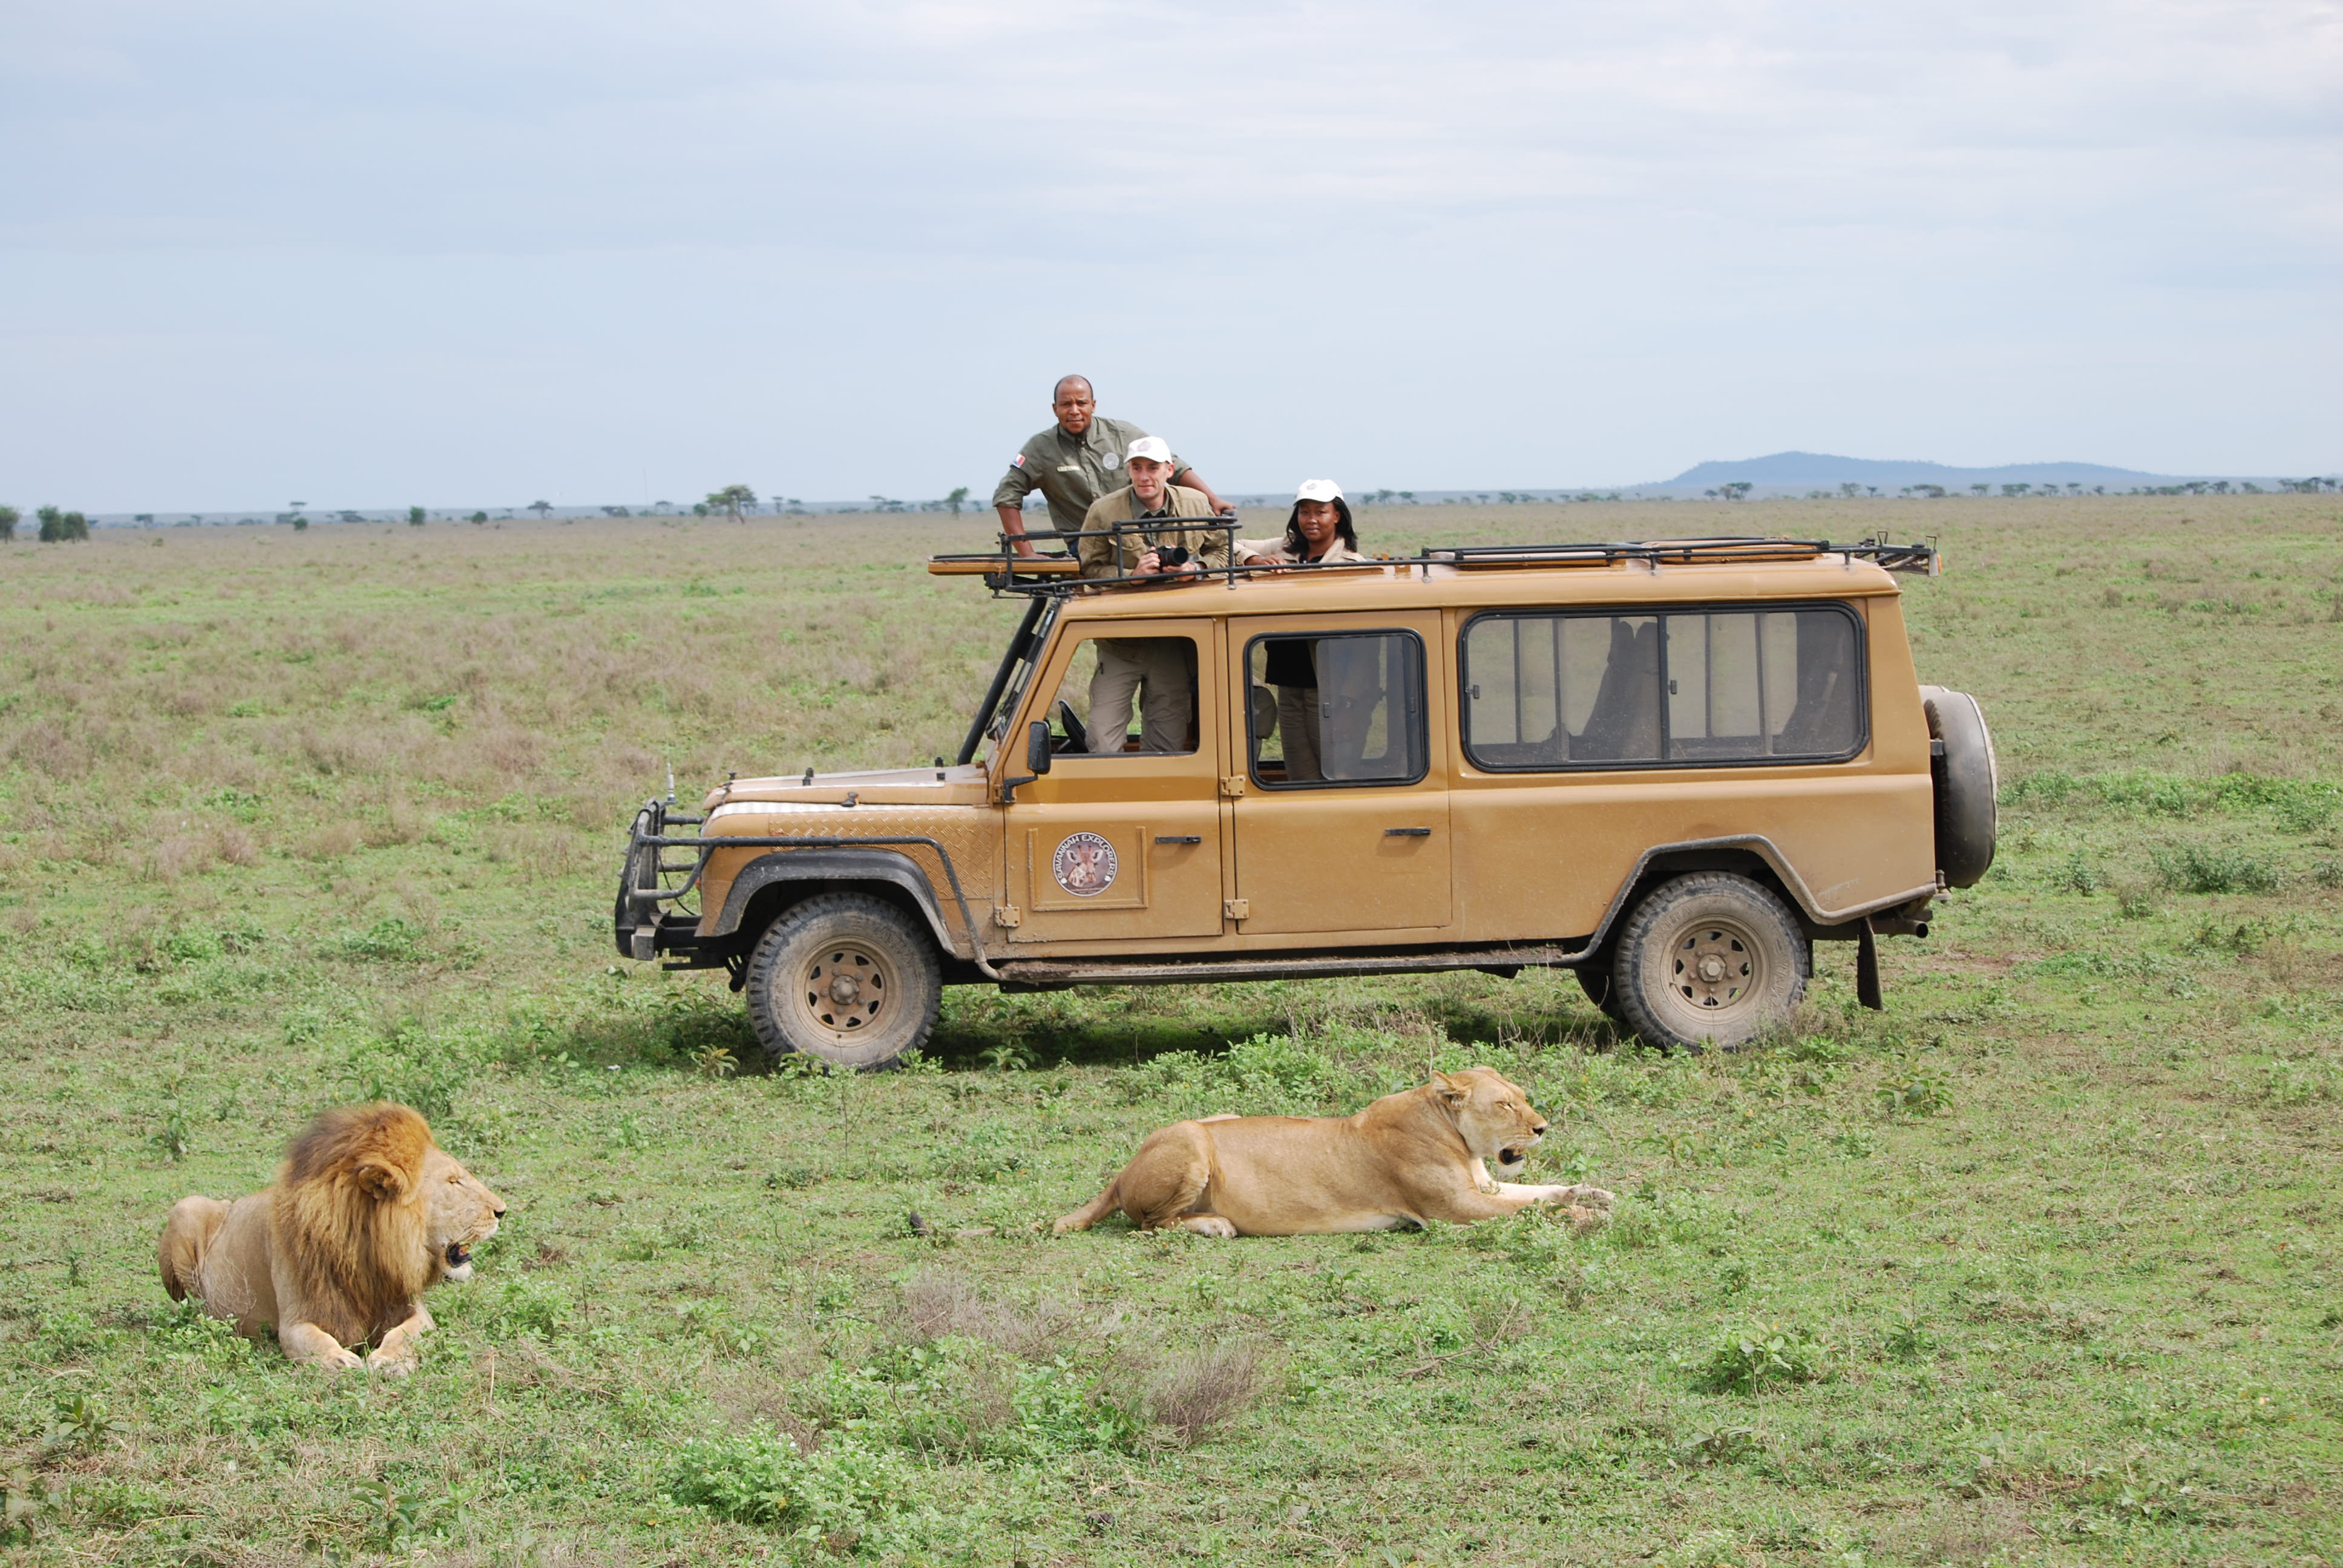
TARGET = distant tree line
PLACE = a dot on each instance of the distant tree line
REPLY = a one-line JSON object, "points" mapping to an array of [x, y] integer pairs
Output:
{"points": [[56, 526]]}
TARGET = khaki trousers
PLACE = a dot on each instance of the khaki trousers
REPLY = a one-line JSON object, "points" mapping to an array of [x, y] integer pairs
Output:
{"points": [[1155, 670], [1297, 732]]}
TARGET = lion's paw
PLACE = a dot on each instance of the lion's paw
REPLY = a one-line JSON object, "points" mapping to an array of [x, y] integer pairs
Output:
{"points": [[1585, 1197], [1209, 1225], [399, 1365]]}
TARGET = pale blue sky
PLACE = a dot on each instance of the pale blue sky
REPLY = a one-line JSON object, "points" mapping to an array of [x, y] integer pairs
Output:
{"points": [[476, 253]]}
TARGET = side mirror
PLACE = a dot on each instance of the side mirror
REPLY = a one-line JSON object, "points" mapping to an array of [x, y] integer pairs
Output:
{"points": [[1037, 746]]}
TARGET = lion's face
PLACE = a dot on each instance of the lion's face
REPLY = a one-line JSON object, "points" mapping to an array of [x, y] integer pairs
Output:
{"points": [[1499, 1124], [460, 1212]]}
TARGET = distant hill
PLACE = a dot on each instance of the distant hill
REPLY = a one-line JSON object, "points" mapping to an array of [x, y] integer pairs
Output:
{"points": [[1820, 471]]}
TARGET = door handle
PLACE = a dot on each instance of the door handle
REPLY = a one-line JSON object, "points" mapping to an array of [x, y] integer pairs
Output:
{"points": [[1407, 832], [1179, 837]]}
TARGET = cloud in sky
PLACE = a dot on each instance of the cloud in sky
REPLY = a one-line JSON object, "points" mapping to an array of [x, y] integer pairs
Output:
{"points": [[482, 253]]}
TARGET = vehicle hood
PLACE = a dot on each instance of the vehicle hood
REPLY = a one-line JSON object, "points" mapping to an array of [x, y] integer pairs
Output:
{"points": [[793, 793]]}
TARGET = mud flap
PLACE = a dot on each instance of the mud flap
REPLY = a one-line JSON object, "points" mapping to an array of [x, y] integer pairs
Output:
{"points": [[1867, 968]]}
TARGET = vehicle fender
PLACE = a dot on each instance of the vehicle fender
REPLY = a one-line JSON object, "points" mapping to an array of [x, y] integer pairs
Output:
{"points": [[840, 865], [1732, 853], [1968, 785]]}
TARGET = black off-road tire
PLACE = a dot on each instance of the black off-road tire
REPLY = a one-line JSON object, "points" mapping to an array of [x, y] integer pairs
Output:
{"points": [[845, 977], [1709, 958]]}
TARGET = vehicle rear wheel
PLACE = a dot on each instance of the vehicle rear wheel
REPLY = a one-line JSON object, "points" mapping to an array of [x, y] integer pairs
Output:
{"points": [[1709, 958], [845, 977]]}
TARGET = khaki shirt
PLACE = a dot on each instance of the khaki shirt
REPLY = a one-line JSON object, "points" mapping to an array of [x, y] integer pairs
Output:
{"points": [[1273, 552], [1101, 557], [1070, 473]]}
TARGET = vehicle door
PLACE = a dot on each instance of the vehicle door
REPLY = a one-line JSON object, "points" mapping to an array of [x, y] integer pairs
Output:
{"points": [[1342, 822], [1117, 842]]}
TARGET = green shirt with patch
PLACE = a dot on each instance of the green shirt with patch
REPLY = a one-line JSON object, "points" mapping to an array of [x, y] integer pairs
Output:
{"points": [[1072, 471]]}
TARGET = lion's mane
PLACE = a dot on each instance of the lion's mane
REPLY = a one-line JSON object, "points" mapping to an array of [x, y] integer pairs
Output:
{"points": [[350, 1219]]}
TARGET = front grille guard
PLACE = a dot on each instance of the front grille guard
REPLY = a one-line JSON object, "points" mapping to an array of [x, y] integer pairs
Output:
{"points": [[643, 934]]}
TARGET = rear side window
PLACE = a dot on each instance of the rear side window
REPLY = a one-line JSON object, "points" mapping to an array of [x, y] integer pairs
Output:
{"points": [[1335, 708], [1652, 689]]}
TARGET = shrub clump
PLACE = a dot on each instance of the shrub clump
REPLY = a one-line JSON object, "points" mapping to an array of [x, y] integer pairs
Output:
{"points": [[1764, 1356], [840, 1498], [416, 1066], [1267, 1075], [2201, 869]]}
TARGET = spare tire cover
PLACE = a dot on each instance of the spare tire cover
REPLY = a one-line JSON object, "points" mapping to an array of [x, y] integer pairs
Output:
{"points": [[1969, 784]]}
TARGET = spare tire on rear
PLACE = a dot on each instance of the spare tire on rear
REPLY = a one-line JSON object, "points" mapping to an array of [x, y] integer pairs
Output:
{"points": [[1968, 785]]}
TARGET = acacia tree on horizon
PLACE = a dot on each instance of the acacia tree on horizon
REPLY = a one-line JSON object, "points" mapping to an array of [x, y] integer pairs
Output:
{"points": [[731, 498]]}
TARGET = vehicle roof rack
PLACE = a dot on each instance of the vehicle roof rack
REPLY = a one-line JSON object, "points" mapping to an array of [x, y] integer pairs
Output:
{"points": [[1920, 556], [1006, 570]]}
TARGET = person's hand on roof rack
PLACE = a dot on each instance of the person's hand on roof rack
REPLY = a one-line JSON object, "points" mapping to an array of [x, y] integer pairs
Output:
{"points": [[1319, 531]]}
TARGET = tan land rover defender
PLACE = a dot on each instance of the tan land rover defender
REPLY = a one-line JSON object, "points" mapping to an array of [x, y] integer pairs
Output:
{"points": [[1669, 767]]}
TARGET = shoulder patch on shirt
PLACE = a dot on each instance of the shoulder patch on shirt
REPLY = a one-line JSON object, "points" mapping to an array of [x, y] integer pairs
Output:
{"points": [[1018, 461]]}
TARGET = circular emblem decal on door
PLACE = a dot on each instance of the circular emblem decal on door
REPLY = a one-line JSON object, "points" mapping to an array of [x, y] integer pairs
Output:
{"points": [[1084, 865]]}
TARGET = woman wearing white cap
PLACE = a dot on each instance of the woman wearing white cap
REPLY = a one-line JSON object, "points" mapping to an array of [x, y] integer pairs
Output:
{"points": [[1318, 533]]}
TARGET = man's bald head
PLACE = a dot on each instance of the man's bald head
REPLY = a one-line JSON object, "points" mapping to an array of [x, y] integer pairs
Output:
{"points": [[1074, 402]]}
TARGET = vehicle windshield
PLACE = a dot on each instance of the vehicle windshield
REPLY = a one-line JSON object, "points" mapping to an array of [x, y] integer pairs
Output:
{"points": [[1016, 673]]}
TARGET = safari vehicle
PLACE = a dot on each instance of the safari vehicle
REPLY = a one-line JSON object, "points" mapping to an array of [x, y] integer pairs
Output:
{"points": [[1670, 767]]}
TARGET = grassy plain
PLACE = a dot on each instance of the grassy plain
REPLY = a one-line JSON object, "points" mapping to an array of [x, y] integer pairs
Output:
{"points": [[2042, 1266]]}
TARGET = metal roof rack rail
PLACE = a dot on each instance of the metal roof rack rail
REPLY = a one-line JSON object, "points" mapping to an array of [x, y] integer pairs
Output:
{"points": [[1723, 550], [1006, 570], [1009, 570]]}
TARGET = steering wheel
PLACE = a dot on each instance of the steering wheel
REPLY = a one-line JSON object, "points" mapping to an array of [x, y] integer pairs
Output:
{"points": [[1075, 738]]}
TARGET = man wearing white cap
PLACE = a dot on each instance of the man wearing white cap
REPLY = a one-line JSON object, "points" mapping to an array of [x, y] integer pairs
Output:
{"points": [[1158, 671], [1074, 463]]}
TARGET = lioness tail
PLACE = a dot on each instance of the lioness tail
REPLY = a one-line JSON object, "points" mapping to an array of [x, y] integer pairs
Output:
{"points": [[1092, 1213]]}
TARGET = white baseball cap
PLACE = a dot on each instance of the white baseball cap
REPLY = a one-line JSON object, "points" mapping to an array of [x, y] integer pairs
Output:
{"points": [[1154, 448], [1318, 490]]}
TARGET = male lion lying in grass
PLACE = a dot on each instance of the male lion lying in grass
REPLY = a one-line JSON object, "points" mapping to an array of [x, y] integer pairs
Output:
{"points": [[1421, 1154], [366, 1213]]}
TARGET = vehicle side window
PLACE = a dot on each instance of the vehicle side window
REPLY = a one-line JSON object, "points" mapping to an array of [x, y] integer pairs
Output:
{"points": [[1126, 695], [1545, 691], [1335, 708]]}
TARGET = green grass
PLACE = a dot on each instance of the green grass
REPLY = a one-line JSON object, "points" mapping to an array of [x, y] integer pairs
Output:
{"points": [[2041, 1266]]}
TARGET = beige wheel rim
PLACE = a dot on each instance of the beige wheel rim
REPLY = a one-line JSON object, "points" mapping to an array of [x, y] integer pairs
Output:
{"points": [[845, 991], [1716, 970]]}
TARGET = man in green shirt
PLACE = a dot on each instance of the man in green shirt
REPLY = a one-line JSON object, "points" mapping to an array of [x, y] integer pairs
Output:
{"points": [[1074, 463], [1161, 672]]}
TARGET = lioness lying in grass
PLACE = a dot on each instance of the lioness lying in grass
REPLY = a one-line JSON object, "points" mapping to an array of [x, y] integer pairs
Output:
{"points": [[1421, 1154]]}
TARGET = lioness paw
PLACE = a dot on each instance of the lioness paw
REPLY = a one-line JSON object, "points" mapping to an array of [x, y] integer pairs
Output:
{"points": [[1583, 1196], [1209, 1225], [400, 1364]]}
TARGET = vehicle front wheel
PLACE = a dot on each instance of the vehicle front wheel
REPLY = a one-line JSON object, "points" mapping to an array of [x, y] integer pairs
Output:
{"points": [[845, 977], [1710, 958]]}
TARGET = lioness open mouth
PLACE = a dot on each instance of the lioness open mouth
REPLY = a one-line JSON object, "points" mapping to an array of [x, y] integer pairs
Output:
{"points": [[1512, 1156]]}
